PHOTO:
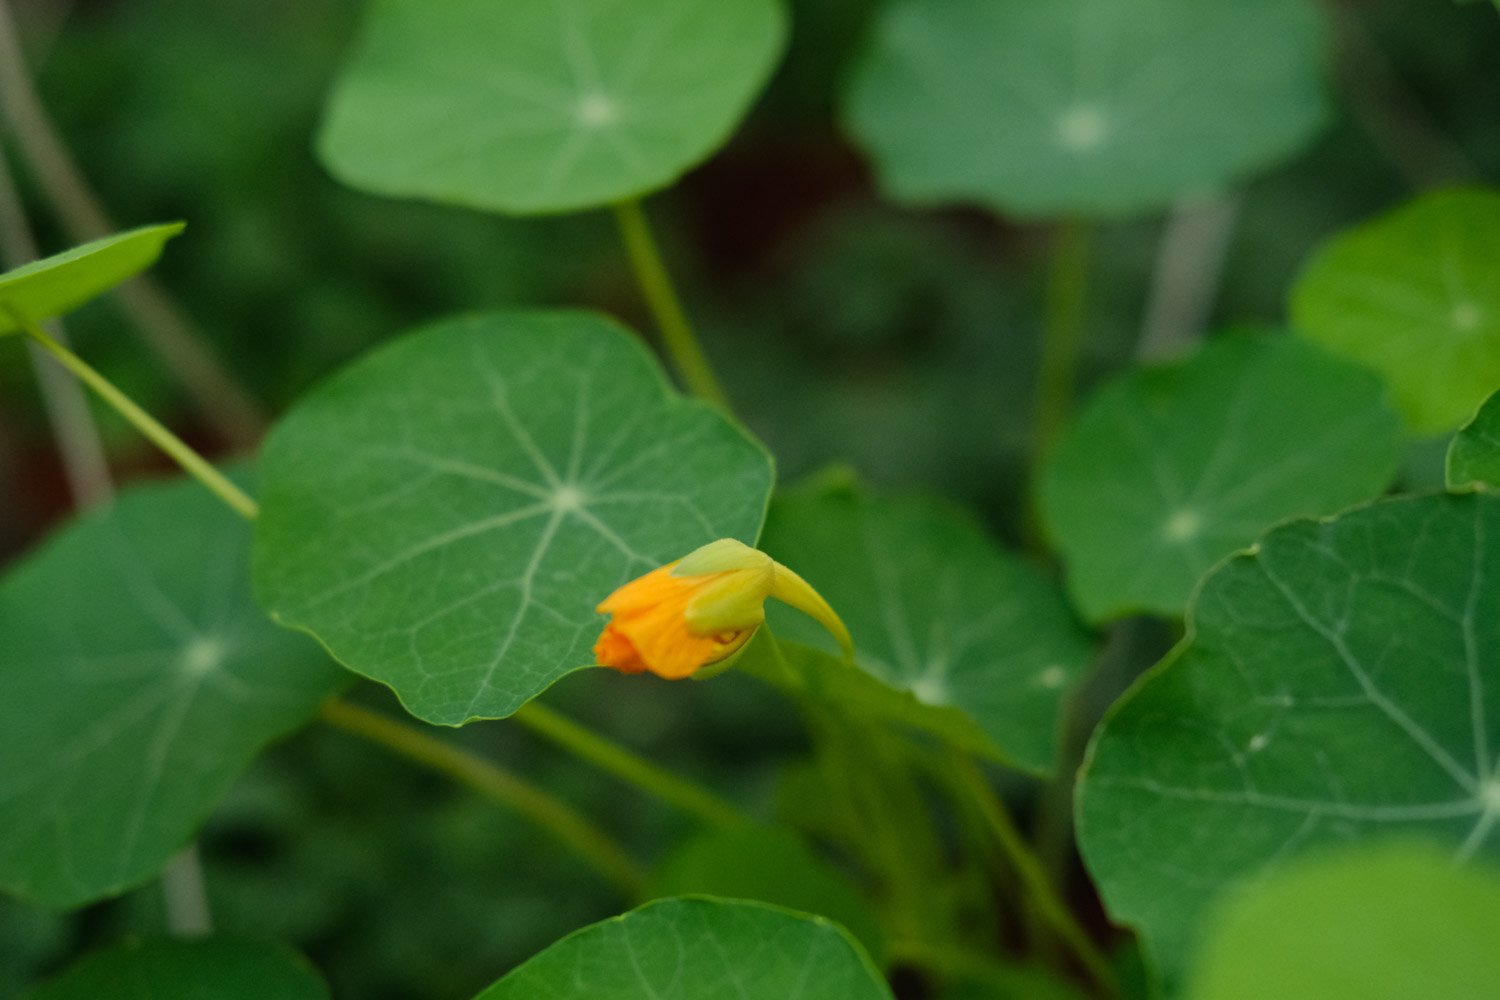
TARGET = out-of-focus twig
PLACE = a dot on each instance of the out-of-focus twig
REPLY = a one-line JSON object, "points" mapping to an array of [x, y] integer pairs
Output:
{"points": [[224, 404]]}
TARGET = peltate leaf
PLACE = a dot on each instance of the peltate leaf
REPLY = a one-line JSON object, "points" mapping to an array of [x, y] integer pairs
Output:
{"points": [[687, 948], [137, 679], [63, 282], [445, 513], [544, 105], [1170, 468], [221, 968], [1340, 681]]}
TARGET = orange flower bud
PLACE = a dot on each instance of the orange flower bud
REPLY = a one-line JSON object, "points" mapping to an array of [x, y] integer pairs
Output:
{"points": [[701, 609]]}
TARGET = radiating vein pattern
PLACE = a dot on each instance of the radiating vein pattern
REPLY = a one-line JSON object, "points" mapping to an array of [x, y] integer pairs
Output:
{"points": [[1341, 681], [544, 105], [137, 679], [445, 514]]}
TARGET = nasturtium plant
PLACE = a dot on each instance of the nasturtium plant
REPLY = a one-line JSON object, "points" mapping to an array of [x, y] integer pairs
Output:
{"points": [[58, 284], [689, 947], [222, 968], [535, 106], [453, 546], [1172, 467], [936, 609], [1084, 107], [1415, 294], [137, 680], [1391, 921], [1474, 454], [1340, 681]]}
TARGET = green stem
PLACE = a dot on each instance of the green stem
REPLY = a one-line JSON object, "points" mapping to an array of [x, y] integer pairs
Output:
{"points": [[164, 439], [1067, 289], [600, 850], [622, 763], [677, 333], [1033, 875]]}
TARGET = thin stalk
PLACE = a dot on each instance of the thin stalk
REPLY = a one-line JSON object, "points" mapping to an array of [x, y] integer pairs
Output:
{"points": [[223, 402], [600, 850], [185, 896], [1033, 875], [1057, 371], [148, 425], [676, 332], [622, 763], [1189, 263]]}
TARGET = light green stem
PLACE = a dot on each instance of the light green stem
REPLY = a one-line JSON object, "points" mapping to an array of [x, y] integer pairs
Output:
{"points": [[600, 850], [1033, 875], [676, 332], [1057, 372], [622, 763], [148, 425]]}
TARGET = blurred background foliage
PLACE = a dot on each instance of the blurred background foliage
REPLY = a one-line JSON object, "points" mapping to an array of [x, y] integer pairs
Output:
{"points": [[844, 329]]}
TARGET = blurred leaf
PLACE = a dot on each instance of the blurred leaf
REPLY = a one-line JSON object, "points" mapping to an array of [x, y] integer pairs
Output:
{"points": [[1397, 922], [1415, 295], [1340, 681], [1474, 455], [537, 106], [1170, 468], [1049, 107], [137, 680], [770, 865], [999, 982], [220, 968], [446, 512], [63, 282], [936, 609], [859, 693], [687, 948]]}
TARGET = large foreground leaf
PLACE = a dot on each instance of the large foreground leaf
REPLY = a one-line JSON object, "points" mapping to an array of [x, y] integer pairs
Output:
{"points": [[1171, 468], [936, 609], [1394, 922], [137, 679], [1341, 681], [218, 968], [689, 948], [1474, 455], [1415, 295], [1044, 107], [544, 105], [445, 513], [63, 282]]}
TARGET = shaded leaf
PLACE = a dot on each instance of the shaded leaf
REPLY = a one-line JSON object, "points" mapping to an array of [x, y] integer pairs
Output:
{"points": [[217, 968], [1340, 681], [446, 512], [544, 105], [1395, 922], [687, 948], [137, 680], [63, 282], [1415, 294], [936, 609], [1170, 468], [1474, 455], [1046, 107]]}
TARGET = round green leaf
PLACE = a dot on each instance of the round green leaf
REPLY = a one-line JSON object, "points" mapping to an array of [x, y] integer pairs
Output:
{"points": [[1340, 681], [936, 609], [1045, 107], [137, 680], [63, 282], [1474, 455], [1415, 295], [217, 968], [1170, 468], [534, 106], [1397, 922], [771, 865], [446, 512], [689, 948]]}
